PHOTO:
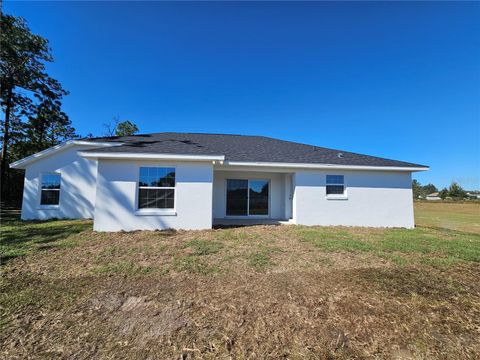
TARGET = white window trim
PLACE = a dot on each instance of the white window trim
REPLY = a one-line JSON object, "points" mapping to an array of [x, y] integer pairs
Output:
{"points": [[156, 211], [248, 199], [343, 196], [49, 207]]}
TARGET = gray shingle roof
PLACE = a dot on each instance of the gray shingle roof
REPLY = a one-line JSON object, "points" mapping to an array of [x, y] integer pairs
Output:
{"points": [[242, 148]]}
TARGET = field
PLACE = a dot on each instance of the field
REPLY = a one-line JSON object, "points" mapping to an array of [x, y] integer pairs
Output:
{"points": [[455, 216], [261, 292]]}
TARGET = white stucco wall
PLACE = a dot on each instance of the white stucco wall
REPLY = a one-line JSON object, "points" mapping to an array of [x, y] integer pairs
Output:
{"points": [[277, 191], [78, 184], [374, 198], [116, 202]]}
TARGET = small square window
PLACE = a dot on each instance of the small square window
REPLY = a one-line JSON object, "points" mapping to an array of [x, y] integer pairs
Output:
{"points": [[50, 189], [335, 185]]}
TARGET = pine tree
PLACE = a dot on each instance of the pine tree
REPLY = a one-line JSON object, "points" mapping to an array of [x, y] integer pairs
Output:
{"points": [[29, 97]]}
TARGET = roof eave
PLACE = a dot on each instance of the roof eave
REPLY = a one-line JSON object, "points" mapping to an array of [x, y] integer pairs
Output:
{"points": [[149, 156], [326, 166], [23, 163]]}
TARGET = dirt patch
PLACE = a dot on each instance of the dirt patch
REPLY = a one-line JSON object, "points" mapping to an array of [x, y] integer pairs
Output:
{"points": [[139, 316]]}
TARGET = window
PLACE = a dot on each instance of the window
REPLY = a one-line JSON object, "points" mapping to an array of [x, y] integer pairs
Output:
{"points": [[156, 188], [50, 191], [258, 197], [335, 185], [237, 197], [247, 197]]}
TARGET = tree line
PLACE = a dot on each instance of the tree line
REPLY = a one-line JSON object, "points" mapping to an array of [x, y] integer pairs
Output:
{"points": [[31, 104], [454, 191]]}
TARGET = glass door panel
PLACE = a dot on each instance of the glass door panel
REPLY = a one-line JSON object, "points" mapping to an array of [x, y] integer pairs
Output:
{"points": [[237, 197], [258, 197]]}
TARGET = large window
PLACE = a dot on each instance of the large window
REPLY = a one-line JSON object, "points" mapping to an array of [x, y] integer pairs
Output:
{"points": [[156, 188], [50, 191], [247, 197], [335, 185]]}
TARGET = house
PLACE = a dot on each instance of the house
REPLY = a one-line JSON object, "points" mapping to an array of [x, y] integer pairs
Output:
{"points": [[433, 196], [193, 181], [473, 195]]}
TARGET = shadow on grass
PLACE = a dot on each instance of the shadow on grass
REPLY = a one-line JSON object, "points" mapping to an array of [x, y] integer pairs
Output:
{"points": [[401, 282], [17, 238]]}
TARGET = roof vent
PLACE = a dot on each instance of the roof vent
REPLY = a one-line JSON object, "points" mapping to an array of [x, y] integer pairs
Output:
{"points": [[340, 155]]}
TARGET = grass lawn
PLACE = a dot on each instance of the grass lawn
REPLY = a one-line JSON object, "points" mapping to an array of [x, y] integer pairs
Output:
{"points": [[254, 292], [455, 216]]}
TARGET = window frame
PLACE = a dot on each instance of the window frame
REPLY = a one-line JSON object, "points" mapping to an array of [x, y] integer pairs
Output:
{"points": [[342, 196], [267, 216], [40, 190], [155, 211]]}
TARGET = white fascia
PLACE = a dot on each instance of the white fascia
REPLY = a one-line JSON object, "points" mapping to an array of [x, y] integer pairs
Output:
{"points": [[324, 166], [22, 163], [149, 156]]}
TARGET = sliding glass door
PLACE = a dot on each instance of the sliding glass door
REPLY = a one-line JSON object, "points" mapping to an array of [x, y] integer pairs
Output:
{"points": [[237, 197], [247, 197], [258, 197]]}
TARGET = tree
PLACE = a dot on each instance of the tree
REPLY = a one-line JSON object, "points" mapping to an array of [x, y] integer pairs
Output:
{"points": [[443, 194], [420, 191], [126, 128], [416, 189], [48, 126], [27, 92], [120, 128], [455, 191], [110, 128], [428, 189]]}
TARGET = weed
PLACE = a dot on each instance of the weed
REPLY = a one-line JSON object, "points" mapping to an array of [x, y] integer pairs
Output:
{"points": [[193, 264], [204, 247], [127, 268]]}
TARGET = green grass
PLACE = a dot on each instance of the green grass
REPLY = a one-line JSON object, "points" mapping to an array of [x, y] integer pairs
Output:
{"points": [[36, 292], [442, 243], [395, 258], [435, 245], [193, 264], [126, 268], [204, 247], [331, 239], [262, 258], [259, 260], [235, 236], [447, 243], [462, 216], [19, 238]]}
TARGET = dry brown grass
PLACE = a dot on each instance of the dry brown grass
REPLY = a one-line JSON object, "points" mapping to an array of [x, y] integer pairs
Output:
{"points": [[255, 292], [462, 216]]}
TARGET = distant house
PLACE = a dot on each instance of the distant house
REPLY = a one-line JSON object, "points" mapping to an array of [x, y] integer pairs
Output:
{"points": [[194, 181], [433, 196], [473, 195]]}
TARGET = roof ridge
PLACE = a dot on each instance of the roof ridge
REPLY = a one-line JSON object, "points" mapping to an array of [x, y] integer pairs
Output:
{"points": [[169, 132], [202, 133]]}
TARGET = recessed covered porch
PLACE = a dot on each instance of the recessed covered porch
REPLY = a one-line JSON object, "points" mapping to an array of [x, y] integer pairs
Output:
{"points": [[251, 197]]}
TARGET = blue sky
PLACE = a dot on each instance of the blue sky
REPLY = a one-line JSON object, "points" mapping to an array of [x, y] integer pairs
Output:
{"points": [[398, 80]]}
